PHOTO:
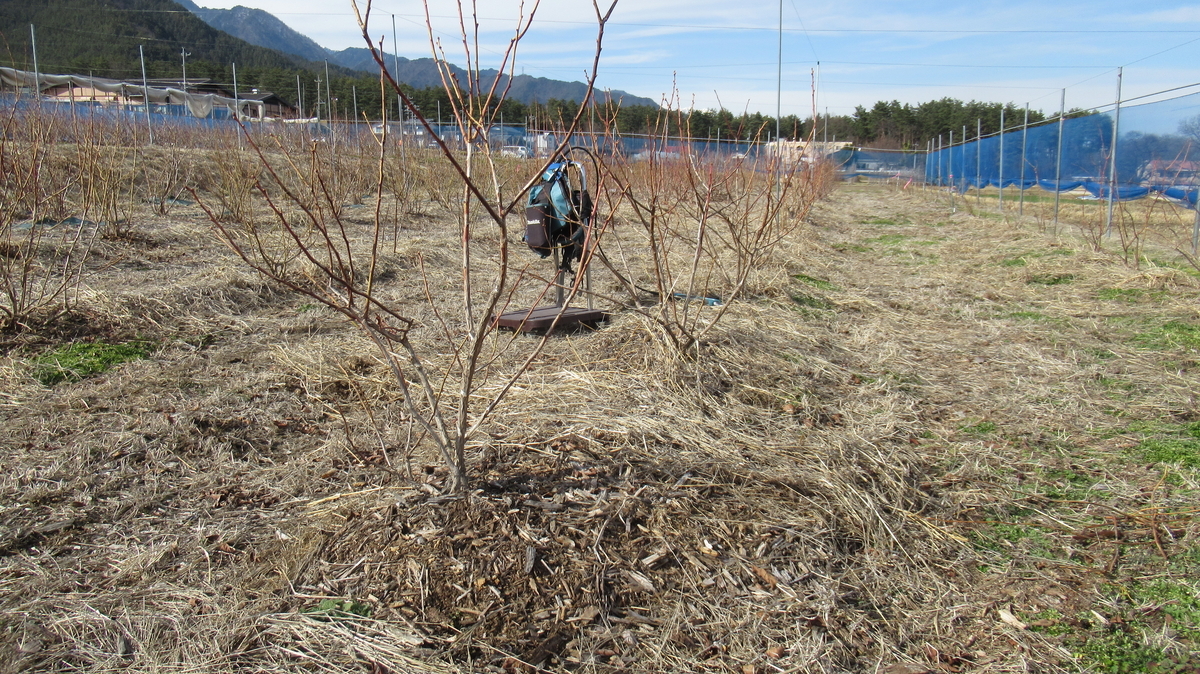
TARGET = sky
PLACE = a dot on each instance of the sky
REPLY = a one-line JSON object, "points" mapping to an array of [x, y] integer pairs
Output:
{"points": [[707, 54]]}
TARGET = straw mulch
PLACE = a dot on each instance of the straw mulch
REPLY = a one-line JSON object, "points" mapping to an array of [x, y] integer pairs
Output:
{"points": [[806, 495]]}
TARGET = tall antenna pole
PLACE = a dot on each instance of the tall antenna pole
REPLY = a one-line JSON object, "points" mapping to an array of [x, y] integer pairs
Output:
{"points": [[329, 105], [183, 55], [395, 74], [237, 105], [779, 81], [778, 114], [1112, 170], [1062, 111], [146, 93]]}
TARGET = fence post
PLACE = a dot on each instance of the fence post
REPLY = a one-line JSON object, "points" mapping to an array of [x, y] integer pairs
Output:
{"points": [[1112, 170]]}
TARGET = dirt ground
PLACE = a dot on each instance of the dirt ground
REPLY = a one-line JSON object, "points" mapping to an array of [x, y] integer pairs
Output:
{"points": [[928, 441]]}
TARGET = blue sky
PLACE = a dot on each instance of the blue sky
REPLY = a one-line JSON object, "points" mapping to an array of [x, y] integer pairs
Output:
{"points": [[724, 52]]}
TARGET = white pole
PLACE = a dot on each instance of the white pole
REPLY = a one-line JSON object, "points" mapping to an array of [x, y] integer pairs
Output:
{"points": [[950, 169], [941, 176], [396, 73], [146, 92], [779, 78], [1001, 178], [1112, 169], [1024, 138], [237, 106], [978, 161], [299, 98], [1196, 225], [329, 105], [183, 55], [1062, 111], [37, 77]]}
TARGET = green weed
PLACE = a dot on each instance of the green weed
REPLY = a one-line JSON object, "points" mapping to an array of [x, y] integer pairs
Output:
{"points": [[888, 239], [1005, 538], [1050, 622], [814, 281], [852, 247], [979, 429], [1130, 295], [1168, 443], [887, 221], [1121, 648], [1029, 315], [1170, 336], [338, 609], [1024, 258], [1065, 484], [809, 301], [1050, 279], [73, 362]]}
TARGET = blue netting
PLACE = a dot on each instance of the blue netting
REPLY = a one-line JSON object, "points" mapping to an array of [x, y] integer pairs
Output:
{"points": [[869, 163], [1157, 153]]}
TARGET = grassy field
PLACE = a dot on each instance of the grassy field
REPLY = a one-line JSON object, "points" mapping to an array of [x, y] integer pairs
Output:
{"points": [[922, 441]]}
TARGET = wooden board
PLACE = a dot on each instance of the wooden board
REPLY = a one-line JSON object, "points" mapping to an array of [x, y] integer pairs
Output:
{"points": [[541, 318]]}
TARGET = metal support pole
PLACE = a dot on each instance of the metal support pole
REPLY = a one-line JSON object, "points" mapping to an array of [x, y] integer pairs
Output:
{"points": [[1062, 111], [183, 55], [299, 98], [1024, 139], [558, 278], [950, 169], [1000, 180], [329, 106], [146, 93], [1112, 169], [963, 143], [1196, 224], [396, 73], [978, 162], [941, 174], [37, 77]]}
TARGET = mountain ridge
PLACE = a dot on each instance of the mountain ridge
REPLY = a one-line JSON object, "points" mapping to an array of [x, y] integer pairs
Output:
{"points": [[264, 29]]}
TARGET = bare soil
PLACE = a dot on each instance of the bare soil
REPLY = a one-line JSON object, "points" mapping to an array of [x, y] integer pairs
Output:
{"points": [[918, 446]]}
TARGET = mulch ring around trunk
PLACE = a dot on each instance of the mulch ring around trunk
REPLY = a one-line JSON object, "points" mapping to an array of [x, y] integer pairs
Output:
{"points": [[564, 563]]}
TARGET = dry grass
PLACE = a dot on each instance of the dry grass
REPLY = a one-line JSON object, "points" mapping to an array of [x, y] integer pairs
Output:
{"points": [[821, 490]]}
